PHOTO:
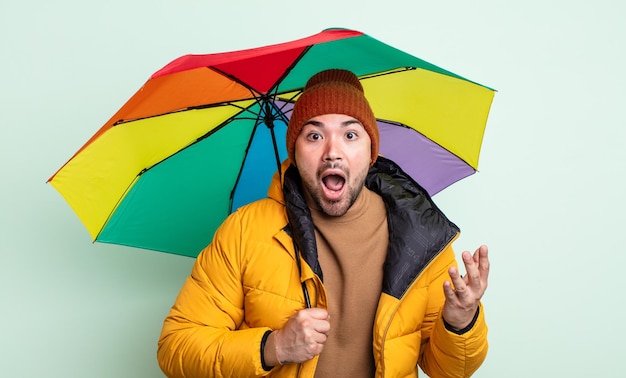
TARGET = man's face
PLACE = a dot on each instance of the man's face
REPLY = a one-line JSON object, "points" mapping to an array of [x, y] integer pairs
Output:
{"points": [[333, 153]]}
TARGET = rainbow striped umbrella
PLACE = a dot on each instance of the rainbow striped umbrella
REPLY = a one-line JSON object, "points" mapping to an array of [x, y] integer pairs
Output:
{"points": [[205, 134]]}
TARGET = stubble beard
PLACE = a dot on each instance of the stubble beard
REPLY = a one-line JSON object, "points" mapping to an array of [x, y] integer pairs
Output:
{"points": [[341, 206]]}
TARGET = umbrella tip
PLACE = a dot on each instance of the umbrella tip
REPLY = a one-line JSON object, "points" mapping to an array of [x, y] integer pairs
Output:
{"points": [[340, 29]]}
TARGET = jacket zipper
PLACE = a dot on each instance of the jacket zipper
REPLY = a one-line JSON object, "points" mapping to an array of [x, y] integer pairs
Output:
{"points": [[384, 337]]}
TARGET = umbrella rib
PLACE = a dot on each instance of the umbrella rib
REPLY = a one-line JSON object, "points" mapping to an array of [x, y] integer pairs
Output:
{"points": [[197, 140], [399, 124], [117, 203], [389, 72], [194, 107], [268, 120], [267, 106], [236, 80], [245, 156], [202, 137], [274, 86], [287, 70], [272, 93], [282, 113]]}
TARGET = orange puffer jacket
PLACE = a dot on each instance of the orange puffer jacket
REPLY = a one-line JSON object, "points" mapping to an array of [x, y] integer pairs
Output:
{"points": [[249, 280]]}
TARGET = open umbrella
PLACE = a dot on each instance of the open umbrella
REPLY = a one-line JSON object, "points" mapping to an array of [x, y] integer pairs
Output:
{"points": [[205, 134]]}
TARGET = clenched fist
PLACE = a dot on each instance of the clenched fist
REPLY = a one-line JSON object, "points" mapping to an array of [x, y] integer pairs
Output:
{"points": [[301, 339]]}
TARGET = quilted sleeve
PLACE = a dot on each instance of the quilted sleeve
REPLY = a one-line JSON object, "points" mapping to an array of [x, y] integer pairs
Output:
{"points": [[201, 336], [444, 353]]}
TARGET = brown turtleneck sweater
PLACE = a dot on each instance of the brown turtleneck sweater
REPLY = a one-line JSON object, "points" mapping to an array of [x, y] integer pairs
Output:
{"points": [[351, 251]]}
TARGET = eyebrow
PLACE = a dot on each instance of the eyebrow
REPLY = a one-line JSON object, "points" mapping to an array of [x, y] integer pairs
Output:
{"points": [[343, 124]]}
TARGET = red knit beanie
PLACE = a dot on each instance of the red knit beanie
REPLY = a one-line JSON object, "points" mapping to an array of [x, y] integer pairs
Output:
{"points": [[333, 91]]}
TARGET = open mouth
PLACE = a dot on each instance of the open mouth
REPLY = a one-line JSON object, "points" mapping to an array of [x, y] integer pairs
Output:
{"points": [[333, 185]]}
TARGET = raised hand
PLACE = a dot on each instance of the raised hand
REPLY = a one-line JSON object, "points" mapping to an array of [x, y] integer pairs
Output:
{"points": [[301, 339], [463, 293]]}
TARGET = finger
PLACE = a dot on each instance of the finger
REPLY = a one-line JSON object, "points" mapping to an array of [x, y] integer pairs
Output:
{"points": [[312, 336], [483, 259], [315, 348], [453, 272], [469, 261], [476, 255], [448, 291], [482, 254], [473, 276], [456, 278], [458, 285], [321, 326], [465, 256], [315, 313]]}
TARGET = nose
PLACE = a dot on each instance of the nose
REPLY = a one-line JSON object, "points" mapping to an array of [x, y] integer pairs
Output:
{"points": [[333, 150]]}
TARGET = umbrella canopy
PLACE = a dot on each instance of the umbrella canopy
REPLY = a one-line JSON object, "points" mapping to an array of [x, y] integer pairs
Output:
{"points": [[205, 134]]}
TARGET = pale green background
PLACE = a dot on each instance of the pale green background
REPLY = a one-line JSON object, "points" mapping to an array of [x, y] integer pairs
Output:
{"points": [[548, 200]]}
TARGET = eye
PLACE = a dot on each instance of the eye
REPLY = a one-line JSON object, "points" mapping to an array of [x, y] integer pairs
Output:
{"points": [[351, 135], [314, 136]]}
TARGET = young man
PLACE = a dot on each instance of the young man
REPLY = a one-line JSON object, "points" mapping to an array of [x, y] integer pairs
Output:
{"points": [[345, 270]]}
